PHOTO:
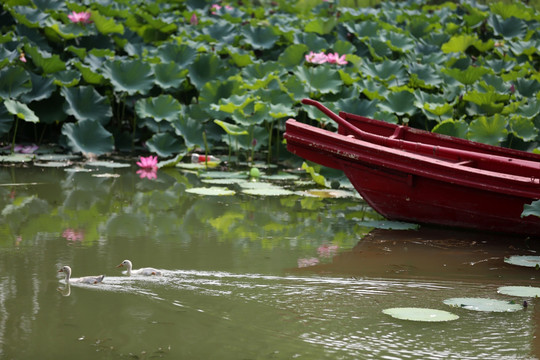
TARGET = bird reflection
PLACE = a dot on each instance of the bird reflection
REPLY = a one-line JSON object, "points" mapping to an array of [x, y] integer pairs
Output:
{"points": [[65, 290]]}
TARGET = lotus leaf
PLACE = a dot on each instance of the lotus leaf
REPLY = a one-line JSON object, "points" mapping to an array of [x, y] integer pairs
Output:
{"points": [[211, 191], [182, 55], [190, 130], [22, 111], [205, 69], [312, 41], [221, 31], [28, 16], [48, 63], [260, 37], [85, 103], [88, 136], [457, 128], [400, 103], [106, 25], [169, 75], [132, 76], [42, 88], [532, 209], [483, 304], [526, 260], [164, 144], [509, 28], [293, 55], [522, 291], [163, 107], [490, 130], [460, 43], [527, 88], [241, 58], [322, 79], [420, 314], [507, 10], [6, 120], [14, 82], [468, 76], [386, 70], [523, 128], [321, 26], [89, 76]]}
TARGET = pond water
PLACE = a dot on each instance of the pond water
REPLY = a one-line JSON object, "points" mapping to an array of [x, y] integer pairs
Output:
{"points": [[244, 277]]}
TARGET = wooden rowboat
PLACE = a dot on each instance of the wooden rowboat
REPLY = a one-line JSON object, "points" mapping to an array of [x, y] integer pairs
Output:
{"points": [[413, 175]]}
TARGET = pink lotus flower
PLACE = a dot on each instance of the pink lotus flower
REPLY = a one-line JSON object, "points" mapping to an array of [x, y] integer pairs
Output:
{"points": [[73, 235], [148, 163], [148, 167], [80, 17], [22, 57], [215, 8], [316, 58], [336, 59], [194, 19], [25, 149]]}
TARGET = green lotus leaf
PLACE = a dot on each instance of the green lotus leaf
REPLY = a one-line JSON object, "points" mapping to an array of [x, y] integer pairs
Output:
{"points": [[321, 26], [211, 191], [191, 130], [530, 109], [517, 9], [485, 98], [363, 28], [240, 57], [260, 37], [526, 87], [426, 73], [483, 304], [509, 28], [456, 128], [88, 136], [357, 106], [66, 78], [438, 109], [68, 31], [29, 16], [106, 25], [313, 41], [373, 89], [532, 209], [42, 88], [214, 91], [344, 47], [400, 103], [489, 130], [205, 69], [523, 128], [47, 62], [521, 291], [231, 129], [399, 42], [163, 107], [6, 120], [50, 110], [85, 103], [182, 55], [14, 82], [131, 76], [164, 144], [460, 43], [528, 47], [90, 76], [44, 5], [221, 31], [386, 70], [420, 314], [322, 79], [22, 111], [468, 76], [169, 75], [293, 55]]}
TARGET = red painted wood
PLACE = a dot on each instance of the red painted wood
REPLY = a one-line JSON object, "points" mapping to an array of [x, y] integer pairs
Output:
{"points": [[414, 175]]}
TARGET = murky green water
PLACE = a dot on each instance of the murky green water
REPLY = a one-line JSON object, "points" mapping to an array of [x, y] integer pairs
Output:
{"points": [[231, 286]]}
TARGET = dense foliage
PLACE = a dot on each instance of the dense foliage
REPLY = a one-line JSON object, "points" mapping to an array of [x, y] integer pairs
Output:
{"points": [[173, 75]]}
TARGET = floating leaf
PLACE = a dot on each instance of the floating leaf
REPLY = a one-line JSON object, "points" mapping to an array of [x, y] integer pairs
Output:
{"points": [[260, 37], [420, 314], [108, 164], [521, 291], [211, 191], [270, 190], [483, 304], [524, 260]]}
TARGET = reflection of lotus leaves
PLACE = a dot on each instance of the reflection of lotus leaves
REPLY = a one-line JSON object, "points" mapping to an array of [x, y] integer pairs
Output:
{"points": [[483, 304], [420, 314], [523, 260]]}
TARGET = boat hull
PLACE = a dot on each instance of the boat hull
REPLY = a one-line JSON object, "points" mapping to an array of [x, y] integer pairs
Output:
{"points": [[404, 186]]}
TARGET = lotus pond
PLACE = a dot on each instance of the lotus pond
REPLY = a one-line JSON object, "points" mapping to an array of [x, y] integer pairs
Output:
{"points": [[297, 274]]}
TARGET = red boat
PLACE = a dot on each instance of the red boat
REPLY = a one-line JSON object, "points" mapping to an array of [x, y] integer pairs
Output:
{"points": [[414, 175]]}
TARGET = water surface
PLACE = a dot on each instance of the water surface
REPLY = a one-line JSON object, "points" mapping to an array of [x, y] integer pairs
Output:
{"points": [[235, 281]]}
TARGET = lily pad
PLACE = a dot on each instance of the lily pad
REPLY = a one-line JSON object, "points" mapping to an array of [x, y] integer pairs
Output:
{"points": [[108, 164], [521, 291], [420, 314], [483, 304], [53, 164], [197, 166], [211, 191], [523, 260], [16, 158], [224, 181], [328, 193], [56, 157], [270, 190]]}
